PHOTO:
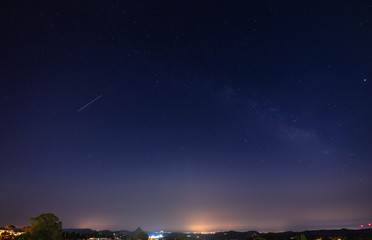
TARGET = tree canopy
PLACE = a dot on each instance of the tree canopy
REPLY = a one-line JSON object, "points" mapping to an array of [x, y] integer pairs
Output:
{"points": [[185, 237], [141, 236], [10, 227], [181, 237], [45, 227]]}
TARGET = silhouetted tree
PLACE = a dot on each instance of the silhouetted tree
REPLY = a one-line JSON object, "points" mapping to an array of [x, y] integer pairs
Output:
{"points": [[301, 237], [44, 227], [259, 238], [10, 227], [141, 236]]}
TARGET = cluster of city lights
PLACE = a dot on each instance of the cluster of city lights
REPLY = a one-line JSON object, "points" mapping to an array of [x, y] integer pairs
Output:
{"points": [[369, 225], [156, 236]]}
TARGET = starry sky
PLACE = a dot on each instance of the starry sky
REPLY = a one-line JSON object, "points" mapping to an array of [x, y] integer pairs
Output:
{"points": [[186, 115]]}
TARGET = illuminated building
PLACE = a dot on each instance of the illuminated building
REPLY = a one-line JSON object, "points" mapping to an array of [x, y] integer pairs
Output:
{"points": [[156, 237]]}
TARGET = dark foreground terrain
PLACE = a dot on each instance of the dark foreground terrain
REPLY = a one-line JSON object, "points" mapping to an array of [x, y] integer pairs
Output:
{"points": [[342, 234]]}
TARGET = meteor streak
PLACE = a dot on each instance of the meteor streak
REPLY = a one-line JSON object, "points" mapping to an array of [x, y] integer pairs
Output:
{"points": [[89, 103]]}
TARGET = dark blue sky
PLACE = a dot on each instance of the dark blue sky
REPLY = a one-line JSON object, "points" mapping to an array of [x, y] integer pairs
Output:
{"points": [[205, 115]]}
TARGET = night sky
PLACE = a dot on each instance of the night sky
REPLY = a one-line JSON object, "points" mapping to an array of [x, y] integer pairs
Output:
{"points": [[186, 115]]}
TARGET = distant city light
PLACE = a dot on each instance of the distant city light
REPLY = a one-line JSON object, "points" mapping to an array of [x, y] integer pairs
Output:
{"points": [[156, 236], [361, 225]]}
